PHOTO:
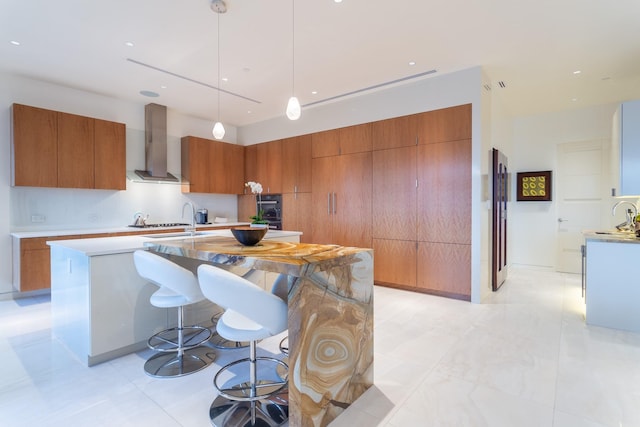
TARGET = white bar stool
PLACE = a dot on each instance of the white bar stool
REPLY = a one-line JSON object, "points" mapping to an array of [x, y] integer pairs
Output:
{"points": [[180, 350], [251, 314]]}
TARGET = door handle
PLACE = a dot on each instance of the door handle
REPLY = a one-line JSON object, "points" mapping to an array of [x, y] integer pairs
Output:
{"points": [[328, 203], [334, 203], [562, 220]]}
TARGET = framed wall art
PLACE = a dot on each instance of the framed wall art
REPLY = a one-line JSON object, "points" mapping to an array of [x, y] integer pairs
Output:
{"points": [[534, 186]]}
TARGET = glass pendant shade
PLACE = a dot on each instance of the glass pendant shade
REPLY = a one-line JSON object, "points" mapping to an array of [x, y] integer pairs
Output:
{"points": [[293, 108], [218, 130]]}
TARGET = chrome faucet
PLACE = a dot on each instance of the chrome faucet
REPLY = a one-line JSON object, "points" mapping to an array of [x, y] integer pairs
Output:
{"points": [[191, 228], [630, 216]]}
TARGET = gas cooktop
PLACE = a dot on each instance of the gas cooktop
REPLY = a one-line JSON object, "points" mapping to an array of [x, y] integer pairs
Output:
{"points": [[158, 225]]}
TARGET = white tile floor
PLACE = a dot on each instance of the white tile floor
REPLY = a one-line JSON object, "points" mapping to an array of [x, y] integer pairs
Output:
{"points": [[525, 358]]}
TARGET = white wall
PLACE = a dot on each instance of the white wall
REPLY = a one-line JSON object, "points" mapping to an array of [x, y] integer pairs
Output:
{"points": [[429, 93], [72, 209], [533, 225]]}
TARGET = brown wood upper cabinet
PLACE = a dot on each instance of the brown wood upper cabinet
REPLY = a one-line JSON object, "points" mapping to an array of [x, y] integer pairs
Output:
{"points": [[395, 133], [296, 164], [110, 152], [446, 124], [210, 166], [347, 140], [269, 166], [75, 151], [55, 149], [35, 145]]}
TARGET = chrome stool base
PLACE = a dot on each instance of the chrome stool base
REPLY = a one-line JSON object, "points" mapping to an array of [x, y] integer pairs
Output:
{"points": [[174, 364], [168, 339], [270, 411], [264, 388]]}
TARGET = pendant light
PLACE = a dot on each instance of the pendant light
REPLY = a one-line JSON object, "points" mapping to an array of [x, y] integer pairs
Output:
{"points": [[293, 106], [219, 7]]}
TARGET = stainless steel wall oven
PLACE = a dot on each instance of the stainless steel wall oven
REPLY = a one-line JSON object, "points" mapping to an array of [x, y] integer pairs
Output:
{"points": [[271, 204]]}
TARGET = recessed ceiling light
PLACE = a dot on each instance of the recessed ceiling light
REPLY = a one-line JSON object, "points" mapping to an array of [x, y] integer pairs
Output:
{"points": [[314, 92], [15, 42], [248, 111], [163, 87], [412, 62], [577, 72], [337, 1], [130, 44], [149, 93], [225, 79], [574, 99]]}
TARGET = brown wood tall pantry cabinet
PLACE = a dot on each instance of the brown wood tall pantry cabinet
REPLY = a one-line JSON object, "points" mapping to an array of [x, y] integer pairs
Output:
{"points": [[341, 172], [422, 198], [401, 186]]}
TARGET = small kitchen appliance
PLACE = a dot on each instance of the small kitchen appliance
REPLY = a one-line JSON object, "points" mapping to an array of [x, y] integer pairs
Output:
{"points": [[202, 216]]}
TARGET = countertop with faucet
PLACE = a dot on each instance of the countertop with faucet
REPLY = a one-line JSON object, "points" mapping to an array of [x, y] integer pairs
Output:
{"points": [[612, 236], [51, 232]]}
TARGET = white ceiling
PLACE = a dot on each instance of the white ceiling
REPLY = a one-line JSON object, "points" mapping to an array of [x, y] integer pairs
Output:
{"points": [[534, 47]]}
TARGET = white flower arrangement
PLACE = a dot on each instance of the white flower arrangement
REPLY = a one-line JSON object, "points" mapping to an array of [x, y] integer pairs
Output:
{"points": [[256, 188]]}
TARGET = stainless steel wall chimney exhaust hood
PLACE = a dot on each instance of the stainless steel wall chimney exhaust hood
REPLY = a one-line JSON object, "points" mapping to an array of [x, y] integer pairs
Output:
{"points": [[155, 145]]}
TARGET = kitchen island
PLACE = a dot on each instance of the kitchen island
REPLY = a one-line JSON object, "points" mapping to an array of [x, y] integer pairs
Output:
{"points": [[100, 305], [612, 292], [330, 315]]}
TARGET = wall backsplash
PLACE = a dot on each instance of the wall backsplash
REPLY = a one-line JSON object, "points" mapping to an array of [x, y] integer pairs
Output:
{"points": [[78, 208]]}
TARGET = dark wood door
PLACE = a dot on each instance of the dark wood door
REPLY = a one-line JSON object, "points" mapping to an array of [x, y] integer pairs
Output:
{"points": [[499, 219]]}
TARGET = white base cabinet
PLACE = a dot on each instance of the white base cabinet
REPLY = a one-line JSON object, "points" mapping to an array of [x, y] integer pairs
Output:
{"points": [[612, 286]]}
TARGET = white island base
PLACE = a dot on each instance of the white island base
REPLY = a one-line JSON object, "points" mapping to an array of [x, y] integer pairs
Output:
{"points": [[612, 290], [100, 305]]}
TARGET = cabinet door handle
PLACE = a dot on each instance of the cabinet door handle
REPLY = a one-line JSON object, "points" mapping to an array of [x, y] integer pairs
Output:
{"points": [[328, 203], [334, 203]]}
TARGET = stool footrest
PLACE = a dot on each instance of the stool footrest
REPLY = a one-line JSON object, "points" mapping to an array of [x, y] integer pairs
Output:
{"points": [[264, 387], [167, 340]]}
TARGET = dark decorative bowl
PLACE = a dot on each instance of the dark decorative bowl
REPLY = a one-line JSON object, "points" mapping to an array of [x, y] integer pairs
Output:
{"points": [[248, 236]]}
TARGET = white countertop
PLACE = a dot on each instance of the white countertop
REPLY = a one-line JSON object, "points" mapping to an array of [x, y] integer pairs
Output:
{"points": [[611, 236], [76, 231], [121, 244]]}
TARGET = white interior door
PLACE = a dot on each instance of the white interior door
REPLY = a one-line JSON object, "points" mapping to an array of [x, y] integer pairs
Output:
{"points": [[579, 180]]}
